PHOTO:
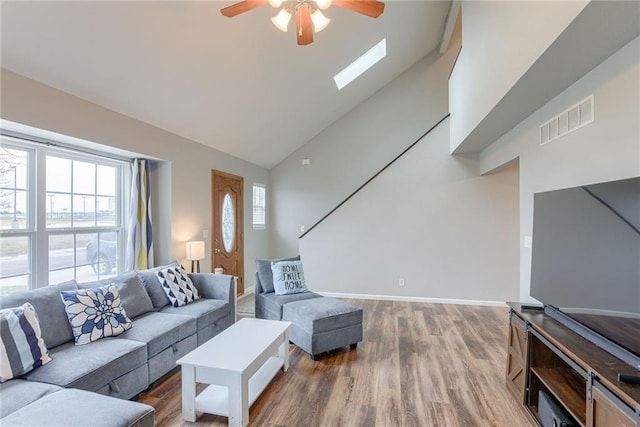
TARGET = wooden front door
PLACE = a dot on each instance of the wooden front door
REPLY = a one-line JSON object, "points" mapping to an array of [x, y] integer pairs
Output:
{"points": [[228, 235]]}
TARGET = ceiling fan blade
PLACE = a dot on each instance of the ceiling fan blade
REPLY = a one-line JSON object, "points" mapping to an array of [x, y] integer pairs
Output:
{"points": [[304, 27], [372, 8], [242, 7]]}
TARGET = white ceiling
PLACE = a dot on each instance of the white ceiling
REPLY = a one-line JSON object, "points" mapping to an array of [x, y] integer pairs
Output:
{"points": [[235, 84]]}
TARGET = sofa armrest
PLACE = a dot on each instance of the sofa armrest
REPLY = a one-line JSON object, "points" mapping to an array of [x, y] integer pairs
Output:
{"points": [[215, 286]]}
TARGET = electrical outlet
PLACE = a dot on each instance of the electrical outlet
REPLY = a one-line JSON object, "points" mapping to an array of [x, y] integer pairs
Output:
{"points": [[401, 281]]}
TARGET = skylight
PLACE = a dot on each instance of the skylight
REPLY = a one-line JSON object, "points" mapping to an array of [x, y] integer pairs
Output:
{"points": [[360, 65]]}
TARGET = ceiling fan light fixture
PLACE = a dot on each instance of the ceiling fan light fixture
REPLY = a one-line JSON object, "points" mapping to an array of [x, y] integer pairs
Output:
{"points": [[323, 4], [309, 17], [320, 21], [281, 20]]}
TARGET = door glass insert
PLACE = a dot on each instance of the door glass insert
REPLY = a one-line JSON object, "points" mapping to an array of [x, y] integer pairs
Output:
{"points": [[228, 222]]}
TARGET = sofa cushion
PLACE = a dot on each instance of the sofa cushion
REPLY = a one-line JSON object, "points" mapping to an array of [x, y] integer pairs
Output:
{"points": [[152, 285], [22, 348], [134, 297], [95, 313], [18, 393], [214, 286], [50, 308], [264, 273], [160, 330], [322, 314], [91, 366], [206, 311], [274, 303], [165, 361], [80, 408], [129, 385], [178, 286]]}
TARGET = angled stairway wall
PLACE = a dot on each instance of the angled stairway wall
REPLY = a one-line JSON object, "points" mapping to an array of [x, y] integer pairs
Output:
{"points": [[355, 148], [429, 219]]}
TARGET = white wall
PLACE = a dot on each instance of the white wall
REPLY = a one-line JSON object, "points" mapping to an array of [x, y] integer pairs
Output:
{"points": [[501, 40], [183, 208], [353, 149], [605, 150], [430, 219]]}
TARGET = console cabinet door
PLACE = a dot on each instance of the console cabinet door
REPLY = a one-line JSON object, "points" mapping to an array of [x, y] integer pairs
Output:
{"points": [[517, 355], [602, 412]]}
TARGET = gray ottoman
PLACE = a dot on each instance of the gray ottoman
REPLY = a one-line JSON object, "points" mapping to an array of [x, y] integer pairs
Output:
{"points": [[323, 324]]}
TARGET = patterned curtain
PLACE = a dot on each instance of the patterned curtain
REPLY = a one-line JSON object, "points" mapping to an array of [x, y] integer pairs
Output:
{"points": [[140, 235]]}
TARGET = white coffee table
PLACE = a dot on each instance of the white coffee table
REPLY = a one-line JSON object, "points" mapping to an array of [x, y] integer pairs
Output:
{"points": [[239, 363]]}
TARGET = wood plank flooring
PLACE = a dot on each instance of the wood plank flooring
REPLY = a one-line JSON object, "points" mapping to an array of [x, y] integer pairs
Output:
{"points": [[419, 365]]}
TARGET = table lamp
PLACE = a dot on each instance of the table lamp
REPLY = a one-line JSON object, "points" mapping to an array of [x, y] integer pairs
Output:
{"points": [[195, 252]]}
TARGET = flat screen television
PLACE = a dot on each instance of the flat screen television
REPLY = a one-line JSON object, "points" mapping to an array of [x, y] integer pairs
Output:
{"points": [[586, 259]]}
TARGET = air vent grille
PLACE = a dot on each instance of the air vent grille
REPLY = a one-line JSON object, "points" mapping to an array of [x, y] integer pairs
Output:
{"points": [[569, 120]]}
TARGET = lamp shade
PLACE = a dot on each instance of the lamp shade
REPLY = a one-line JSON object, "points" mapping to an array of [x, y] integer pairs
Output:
{"points": [[195, 250], [320, 21], [281, 20], [323, 4]]}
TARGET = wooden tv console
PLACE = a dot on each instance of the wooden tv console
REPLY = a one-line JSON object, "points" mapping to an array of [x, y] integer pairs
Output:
{"points": [[545, 355]]}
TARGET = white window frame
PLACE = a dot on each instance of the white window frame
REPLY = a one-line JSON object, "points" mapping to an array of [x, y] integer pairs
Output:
{"points": [[259, 225], [36, 230], [30, 230]]}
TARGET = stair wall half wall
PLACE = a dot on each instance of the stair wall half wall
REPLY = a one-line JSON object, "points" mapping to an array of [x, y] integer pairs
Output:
{"points": [[429, 219]]}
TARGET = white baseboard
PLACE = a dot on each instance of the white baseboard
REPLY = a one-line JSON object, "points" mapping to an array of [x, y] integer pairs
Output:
{"points": [[248, 291], [416, 299]]}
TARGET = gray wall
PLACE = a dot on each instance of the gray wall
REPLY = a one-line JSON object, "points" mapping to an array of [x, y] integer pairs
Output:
{"points": [[605, 150], [183, 194], [430, 219], [354, 148], [501, 40]]}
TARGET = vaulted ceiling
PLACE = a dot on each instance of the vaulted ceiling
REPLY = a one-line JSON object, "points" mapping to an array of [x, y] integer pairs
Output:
{"points": [[238, 85]]}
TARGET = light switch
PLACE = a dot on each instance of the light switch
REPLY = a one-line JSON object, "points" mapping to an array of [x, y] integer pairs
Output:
{"points": [[302, 228], [205, 234], [528, 242]]}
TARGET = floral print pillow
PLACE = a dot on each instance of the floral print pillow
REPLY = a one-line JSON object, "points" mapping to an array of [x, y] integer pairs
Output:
{"points": [[95, 313]]}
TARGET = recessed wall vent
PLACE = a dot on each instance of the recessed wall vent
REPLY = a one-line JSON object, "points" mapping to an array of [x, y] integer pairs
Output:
{"points": [[569, 120]]}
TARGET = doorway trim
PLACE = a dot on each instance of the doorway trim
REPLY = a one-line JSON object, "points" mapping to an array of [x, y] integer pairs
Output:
{"points": [[239, 226]]}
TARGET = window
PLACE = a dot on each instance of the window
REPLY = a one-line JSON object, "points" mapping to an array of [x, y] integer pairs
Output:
{"points": [[259, 206], [360, 65], [66, 224], [16, 222]]}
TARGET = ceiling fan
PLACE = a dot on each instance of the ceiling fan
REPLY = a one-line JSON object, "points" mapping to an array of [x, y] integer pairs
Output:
{"points": [[309, 17]]}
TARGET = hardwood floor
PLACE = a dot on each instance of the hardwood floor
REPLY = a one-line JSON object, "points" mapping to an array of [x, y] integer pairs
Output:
{"points": [[419, 365]]}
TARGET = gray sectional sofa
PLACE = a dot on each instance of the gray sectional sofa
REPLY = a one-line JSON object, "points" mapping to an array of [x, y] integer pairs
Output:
{"points": [[82, 380]]}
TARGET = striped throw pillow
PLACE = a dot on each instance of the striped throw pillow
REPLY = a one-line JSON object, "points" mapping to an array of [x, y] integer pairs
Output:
{"points": [[22, 348]]}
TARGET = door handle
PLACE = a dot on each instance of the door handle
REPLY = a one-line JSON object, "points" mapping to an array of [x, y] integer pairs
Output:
{"points": [[216, 251]]}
